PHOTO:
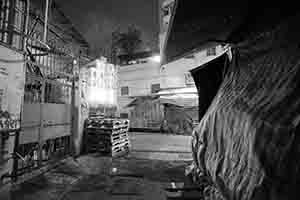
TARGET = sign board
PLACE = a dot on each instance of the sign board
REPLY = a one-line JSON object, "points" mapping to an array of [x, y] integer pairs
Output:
{"points": [[12, 81], [189, 81]]}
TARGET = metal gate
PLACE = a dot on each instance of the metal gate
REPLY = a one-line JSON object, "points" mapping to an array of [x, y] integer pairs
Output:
{"points": [[46, 121]]}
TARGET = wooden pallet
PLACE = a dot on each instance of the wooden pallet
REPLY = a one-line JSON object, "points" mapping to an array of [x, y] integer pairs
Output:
{"points": [[108, 135], [120, 149], [109, 123]]}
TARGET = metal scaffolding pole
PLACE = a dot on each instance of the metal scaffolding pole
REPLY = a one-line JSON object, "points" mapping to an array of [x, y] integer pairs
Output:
{"points": [[46, 21]]}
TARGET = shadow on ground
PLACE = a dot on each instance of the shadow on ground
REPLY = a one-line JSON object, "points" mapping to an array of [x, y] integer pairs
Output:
{"points": [[94, 176]]}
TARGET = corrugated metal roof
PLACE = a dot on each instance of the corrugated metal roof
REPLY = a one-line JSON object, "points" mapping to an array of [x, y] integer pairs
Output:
{"points": [[172, 91], [180, 101]]}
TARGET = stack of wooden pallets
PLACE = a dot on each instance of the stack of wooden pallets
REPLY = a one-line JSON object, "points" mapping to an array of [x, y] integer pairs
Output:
{"points": [[107, 136]]}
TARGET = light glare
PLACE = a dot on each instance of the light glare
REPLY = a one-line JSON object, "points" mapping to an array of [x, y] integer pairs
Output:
{"points": [[156, 58]]}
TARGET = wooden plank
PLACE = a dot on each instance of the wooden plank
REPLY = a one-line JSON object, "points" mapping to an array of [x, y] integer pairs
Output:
{"points": [[183, 189], [184, 198]]}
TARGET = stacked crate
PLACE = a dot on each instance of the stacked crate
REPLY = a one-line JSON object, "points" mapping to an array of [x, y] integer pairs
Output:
{"points": [[107, 136]]}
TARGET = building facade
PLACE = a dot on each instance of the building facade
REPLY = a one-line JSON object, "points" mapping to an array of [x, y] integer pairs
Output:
{"points": [[178, 92], [138, 79], [175, 76], [146, 87]]}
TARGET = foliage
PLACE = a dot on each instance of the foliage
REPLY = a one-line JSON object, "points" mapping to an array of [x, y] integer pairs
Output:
{"points": [[127, 42]]}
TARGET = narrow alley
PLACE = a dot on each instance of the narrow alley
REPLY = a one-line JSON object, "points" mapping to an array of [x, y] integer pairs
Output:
{"points": [[149, 100], [139, 175]]}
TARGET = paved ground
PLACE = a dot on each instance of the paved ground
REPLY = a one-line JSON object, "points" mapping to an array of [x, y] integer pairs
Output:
{"points": [[155, 161], [159, 146]]}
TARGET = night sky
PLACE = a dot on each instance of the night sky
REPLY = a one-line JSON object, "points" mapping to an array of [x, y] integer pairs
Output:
{"points": [[96, 19]]}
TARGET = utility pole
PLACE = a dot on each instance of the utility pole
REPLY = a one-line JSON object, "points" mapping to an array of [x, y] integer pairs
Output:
{"points": [[74, 113]]}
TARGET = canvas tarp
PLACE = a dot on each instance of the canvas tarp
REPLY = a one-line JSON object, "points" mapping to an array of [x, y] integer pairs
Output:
{"points": [[248, 141]]}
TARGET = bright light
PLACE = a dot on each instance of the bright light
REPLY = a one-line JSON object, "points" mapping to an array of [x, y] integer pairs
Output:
{"points": [[156, 58], [99, 89], [74, 62], [114, 170], [101, 96]]}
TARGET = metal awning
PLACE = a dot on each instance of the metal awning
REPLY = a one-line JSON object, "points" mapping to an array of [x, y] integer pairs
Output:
{"points": [[180, 100], [172, 91], [139, 99]]}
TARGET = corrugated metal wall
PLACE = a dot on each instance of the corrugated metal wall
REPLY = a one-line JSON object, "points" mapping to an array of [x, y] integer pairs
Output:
{"points": [[147, 114]]}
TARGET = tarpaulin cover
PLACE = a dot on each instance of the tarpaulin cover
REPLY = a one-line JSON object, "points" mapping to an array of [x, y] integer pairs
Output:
{"points": [[248, 142]]}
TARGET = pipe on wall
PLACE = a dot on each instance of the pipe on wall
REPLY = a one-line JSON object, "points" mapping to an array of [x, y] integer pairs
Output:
{"points": [[46, 21]]}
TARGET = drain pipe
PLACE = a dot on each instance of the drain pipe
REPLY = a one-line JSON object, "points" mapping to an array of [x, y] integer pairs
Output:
{"points": [[46, 22]]}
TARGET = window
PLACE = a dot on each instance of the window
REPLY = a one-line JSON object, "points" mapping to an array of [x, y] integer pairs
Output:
{"points": [[211, 51], [12, 22], [124, 91], [155, 88], [124, 115], [208, 81]]}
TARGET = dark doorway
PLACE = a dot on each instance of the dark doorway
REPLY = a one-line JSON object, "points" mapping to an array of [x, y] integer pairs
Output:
{"points": [[208, 79]]}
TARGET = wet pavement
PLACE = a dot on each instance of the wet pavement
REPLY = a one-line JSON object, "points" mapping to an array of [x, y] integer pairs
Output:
{"points": [[98, 177]]}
